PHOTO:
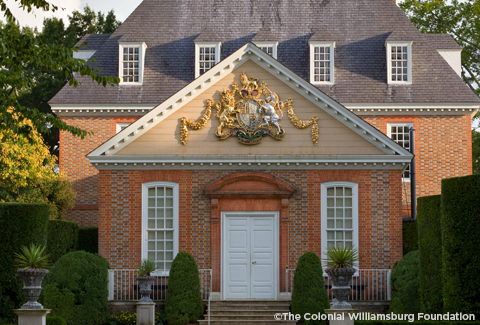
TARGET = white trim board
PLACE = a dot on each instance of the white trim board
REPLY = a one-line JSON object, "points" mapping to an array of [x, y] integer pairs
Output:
{"points": [[101, 109], [208, 79]]}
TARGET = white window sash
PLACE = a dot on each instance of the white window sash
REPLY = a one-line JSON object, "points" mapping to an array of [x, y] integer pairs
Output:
{"points": [[389, 62], [198, 45], [141, 62], [331, 45], [389, 134], [273, 45]]}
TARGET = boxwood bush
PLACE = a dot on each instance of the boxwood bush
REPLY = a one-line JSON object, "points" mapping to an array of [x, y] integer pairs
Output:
{"points": [[55, 320], [62, 238], [87, 239], [430, 250], [76, 288], [20, 224], [404, 281], [309, 293], [184, 303], [409, 236], [461, 242]]}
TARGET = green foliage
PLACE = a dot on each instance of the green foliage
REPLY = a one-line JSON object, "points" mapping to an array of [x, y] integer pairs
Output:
{"points": [[76, 288], [27, 170], [459, 18], [87, 240], [147, 267], [128, 318], [476, 151], [62, 238], [20, 224], [461, 242], [55, 320], [32, 257], [430, 250], [404, 282], [184, 303], [309, 293], [409, 236], [344, 257]]}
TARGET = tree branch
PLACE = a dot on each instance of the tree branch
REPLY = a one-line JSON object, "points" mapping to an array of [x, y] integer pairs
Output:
{"points": [[472, 75]]}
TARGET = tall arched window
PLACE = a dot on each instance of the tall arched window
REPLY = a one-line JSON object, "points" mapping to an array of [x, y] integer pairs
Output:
{"points": [[339, 215], [160, 223]]}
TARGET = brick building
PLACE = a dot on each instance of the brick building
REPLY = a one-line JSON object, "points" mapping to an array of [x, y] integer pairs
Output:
{"points": [[180, 160]]}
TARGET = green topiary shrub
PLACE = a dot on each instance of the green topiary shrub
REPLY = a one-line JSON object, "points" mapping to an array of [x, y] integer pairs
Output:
{"points": [[184, 303], [62, 238], [430, 250], [309, 293], [55, 320], [404, 281], [20, 224], [76, 288], [461, 241], [87, 240], [409, 236]]}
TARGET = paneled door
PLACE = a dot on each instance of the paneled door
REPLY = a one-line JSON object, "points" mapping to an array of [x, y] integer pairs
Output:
{"points": [[250, 255]]}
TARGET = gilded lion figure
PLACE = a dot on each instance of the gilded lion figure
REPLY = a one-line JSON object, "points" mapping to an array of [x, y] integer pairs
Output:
{"points": [[226, 110]]}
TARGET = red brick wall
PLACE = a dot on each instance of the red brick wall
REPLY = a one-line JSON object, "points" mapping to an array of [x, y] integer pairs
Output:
{"points": [[380, 224], [443, 147], [75, 165]]}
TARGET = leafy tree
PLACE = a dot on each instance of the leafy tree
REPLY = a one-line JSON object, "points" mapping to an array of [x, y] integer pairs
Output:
{"points": [[459, 18], [19, 49], [476, 151], [27, 170]]}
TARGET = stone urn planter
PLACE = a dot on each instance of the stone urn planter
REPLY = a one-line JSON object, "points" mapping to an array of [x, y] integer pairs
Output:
{"points": [[32, 286], [341, 278], [145, 287]]}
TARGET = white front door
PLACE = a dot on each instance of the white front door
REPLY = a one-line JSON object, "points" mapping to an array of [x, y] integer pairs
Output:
{"points": [[250, 250]]}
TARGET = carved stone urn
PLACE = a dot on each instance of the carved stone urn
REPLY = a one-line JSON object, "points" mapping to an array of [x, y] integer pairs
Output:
{"points": [[32, 286], [341, 278], [145, 287]]}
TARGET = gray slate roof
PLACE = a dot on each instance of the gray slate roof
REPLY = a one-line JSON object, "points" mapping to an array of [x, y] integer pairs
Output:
{"points": [[359, 27], [92, 41], [443, 41]]}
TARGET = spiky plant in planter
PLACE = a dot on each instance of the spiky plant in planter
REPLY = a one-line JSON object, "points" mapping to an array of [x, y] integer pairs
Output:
{"points": [[145, 280], [33, 265], [340, 269]]}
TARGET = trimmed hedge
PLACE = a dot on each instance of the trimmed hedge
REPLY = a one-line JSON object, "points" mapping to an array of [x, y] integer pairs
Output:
{"points": [[55, 320], [309, 293], [430, 248], [461, 242], [409, 236], [404, 280], [184, 302], [87, 240], [62, 238], [76, 288], [20, 224]]}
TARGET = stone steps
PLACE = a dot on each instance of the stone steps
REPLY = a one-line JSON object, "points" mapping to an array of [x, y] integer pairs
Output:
{"points": [[246, 312]]}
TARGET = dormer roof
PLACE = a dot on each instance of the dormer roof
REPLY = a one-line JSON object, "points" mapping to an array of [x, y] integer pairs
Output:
{"points": [[321, 35], [264, 35], [208, 35], [399, 35], [92, 41], [443, 42]]}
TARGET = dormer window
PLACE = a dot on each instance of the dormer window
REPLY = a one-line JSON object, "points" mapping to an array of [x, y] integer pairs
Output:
{"points": [[131, 62], [321, 62], [399, 62], [268, 47], [206, 56]]}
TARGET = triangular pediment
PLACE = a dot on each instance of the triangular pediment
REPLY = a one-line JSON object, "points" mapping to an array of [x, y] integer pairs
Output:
{"points": [[340, 132]]}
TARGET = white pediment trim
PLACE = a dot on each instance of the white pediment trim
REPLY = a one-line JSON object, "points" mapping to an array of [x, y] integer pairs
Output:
{"points": [[227, 65]]}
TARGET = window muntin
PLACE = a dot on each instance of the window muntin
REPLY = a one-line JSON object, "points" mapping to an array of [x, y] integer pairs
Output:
{"points": [[160, 223], [399, 57], [339, 215], [131, 64], [206, 56], [399, 63], [321, 63], [400, 133], [268, 47]]}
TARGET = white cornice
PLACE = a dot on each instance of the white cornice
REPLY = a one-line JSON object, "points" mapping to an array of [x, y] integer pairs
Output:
{"points": [[413, 108], [208, 79], [250, 162], [101, 109]]}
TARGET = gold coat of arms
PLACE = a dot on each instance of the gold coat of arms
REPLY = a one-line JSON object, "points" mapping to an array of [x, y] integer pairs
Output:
{"points": [[250, 118]]}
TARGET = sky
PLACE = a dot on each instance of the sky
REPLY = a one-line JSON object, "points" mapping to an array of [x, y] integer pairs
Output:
{"points": [[122, 8]]}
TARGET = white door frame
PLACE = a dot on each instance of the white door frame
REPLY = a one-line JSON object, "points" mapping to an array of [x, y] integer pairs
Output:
{"points": [[276, 252]]}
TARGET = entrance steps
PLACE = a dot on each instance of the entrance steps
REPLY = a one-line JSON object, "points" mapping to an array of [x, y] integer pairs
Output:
{"points": [[246, 312]]}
